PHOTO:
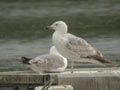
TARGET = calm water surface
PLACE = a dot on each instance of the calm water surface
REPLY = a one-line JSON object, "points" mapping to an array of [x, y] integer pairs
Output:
{"points": [[23, 33]]}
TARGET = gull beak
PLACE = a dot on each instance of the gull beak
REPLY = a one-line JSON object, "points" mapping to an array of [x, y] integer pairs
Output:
{"points": [[49, 27]]}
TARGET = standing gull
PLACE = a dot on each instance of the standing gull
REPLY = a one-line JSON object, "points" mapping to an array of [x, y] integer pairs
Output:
{"points": [[53, 62], [75, 48]]}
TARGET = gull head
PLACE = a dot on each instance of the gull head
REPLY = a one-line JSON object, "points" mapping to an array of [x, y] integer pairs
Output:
{"points": [[53, 50], [59, 26]]}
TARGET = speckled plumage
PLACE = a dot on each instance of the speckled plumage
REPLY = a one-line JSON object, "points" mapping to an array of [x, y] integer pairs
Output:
{"points": [[53, 62], [73, 47]]}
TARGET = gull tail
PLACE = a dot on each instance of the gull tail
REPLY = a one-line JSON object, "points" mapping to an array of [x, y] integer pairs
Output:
{"points": [[25, 60], [102, 60], [108, 62]]}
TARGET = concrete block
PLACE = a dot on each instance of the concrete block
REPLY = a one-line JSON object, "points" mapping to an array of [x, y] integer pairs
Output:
{"points": [[60, 87]]}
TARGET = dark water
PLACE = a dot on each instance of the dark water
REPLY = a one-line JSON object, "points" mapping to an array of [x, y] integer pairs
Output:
{"points": [[22, 27]]}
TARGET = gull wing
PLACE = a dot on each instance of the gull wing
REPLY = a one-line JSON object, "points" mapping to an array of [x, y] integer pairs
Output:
{"points": [[81, 47], [48, 61], [85, 50]]}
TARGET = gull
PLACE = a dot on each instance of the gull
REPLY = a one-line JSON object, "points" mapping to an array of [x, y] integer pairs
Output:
{"points": [[48, 63], [75, 48]]}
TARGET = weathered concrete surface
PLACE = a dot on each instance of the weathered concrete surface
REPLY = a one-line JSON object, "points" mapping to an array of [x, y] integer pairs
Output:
{"points": [[59, 87], [81, 79], [12, 78], [92, 79]]}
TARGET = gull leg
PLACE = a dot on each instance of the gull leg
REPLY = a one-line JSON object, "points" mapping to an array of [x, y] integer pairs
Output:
{"points": [[47, 85], [72, 66]]}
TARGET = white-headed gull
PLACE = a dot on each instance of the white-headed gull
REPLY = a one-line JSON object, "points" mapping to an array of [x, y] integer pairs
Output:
{"points": [[73, 47], [53, 62]]}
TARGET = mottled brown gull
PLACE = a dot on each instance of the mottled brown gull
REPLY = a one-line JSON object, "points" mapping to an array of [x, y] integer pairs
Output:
{"points": [[53, 62], [74, 48]]}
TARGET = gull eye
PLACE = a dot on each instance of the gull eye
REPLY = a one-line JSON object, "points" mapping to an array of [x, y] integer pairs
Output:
{"points": [[56, 24]]}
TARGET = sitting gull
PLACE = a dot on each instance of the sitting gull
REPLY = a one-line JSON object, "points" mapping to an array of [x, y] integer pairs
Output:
{"points": [[75, 48], [53, 62]]}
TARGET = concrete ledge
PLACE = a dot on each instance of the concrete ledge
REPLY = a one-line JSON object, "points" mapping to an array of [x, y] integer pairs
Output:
{"points": [[59, 87], [23, 78], [92, 79], [81, 79]]}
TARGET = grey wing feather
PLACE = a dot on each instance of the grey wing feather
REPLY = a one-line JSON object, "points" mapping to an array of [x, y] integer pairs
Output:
{"points": [[80, 46], [48, 61], [85, 50]]}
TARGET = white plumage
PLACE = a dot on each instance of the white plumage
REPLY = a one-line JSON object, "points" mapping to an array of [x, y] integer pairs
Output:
{"points": [[53, 62], [73, 47]]}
